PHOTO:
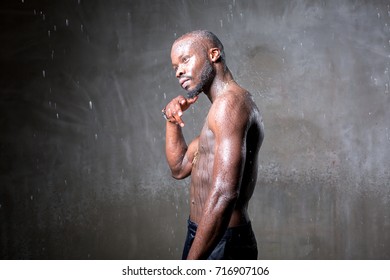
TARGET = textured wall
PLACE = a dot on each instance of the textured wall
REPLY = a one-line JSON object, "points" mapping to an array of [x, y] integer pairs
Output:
{"points": [[83, 172]]}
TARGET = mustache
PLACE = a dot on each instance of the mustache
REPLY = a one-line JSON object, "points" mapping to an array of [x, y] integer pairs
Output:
{"points": [[185, 76]]}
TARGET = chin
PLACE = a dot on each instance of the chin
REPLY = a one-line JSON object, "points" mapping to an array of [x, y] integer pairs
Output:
{"points": [[196, 90], [193, 93]]}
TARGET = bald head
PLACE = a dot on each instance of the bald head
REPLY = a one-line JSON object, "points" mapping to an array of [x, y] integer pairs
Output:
{"points": [[204, 39], [197, 58]]}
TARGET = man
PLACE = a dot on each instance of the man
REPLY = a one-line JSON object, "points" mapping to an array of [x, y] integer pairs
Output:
{"points": [[222, 160]]}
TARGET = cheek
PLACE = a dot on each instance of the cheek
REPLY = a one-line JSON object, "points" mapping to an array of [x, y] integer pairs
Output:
{"points": [[196, 68]]}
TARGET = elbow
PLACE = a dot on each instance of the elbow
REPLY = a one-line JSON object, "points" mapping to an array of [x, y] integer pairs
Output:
{"points": [[178, 174], [227, 199], [231, 198]]}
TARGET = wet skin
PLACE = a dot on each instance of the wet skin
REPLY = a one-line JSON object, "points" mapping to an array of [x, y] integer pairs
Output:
{"points": [[222, 160]]}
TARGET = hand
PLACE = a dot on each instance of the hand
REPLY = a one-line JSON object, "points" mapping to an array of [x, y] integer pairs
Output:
{"points": [[174, 109]]}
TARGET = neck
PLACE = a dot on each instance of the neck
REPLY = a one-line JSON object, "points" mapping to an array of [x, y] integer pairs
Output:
{"points": [[219, 84]]}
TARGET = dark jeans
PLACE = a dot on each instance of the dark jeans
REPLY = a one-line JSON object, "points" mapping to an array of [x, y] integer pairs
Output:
{"points": [[238, 243]]}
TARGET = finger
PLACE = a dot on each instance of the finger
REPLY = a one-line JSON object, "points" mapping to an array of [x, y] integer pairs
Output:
{"points": [[192, 100], [177, 115], [170, 114], [177, 110], [186, 103], [175, 118], [179, 121]]}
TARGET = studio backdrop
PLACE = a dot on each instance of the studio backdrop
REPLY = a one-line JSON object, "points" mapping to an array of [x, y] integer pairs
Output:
{"points": [[82, 165]]}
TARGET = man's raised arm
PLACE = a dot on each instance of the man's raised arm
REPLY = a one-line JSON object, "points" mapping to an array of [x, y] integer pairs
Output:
{"points": [[179, 155]]}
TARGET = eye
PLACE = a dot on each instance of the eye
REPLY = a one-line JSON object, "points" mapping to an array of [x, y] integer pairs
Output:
{"points": [[185, 59]]}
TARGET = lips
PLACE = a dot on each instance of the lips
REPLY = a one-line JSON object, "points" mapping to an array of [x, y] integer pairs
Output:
{"points": [[183, 82]]}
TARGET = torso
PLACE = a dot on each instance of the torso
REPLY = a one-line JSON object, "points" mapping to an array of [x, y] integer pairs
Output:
{"points": [[202, 168]]}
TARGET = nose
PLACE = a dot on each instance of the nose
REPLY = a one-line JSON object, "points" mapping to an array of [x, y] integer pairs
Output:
{"points": [[179, 72]]}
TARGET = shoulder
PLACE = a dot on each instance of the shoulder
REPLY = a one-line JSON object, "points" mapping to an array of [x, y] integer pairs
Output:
{"points": [[231, 111]]}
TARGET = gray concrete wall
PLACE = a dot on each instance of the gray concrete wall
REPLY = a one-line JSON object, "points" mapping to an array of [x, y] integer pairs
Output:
{"points": [[83, 172]]}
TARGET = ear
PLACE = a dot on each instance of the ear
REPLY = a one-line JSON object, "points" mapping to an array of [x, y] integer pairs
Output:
{"points": [[214, 54]]}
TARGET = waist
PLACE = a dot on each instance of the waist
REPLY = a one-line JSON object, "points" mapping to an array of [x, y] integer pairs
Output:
{"points": [[230, 231], [239, 217]]}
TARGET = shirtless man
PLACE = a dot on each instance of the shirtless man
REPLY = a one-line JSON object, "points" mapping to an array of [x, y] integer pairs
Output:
{"points": [[222, 160]]}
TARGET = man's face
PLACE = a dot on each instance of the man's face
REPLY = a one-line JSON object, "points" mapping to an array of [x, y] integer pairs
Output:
{"points": [[192, 68]]}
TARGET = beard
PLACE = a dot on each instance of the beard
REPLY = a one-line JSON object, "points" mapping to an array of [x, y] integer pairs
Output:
{"points": [[205, 75]]}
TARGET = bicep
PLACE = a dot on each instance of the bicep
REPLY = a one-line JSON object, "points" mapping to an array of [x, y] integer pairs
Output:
{"points": [[229, 157]]}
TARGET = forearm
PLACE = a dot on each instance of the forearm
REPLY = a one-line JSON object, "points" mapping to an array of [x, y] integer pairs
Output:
{"points": [[215, 221], [175, 147]]}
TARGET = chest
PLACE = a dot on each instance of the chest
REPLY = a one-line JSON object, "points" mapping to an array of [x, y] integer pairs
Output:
{"points": [[206, 141]]}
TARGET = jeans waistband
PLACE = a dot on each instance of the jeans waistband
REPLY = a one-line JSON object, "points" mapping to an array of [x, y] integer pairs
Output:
{"points": [[229, 231]]}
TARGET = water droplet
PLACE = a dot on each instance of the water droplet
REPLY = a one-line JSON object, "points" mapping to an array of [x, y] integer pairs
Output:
{"points": [[44, 73], [67, 22], [58, 116], [90, 105], [66, 182], [374, 80], [165, 96], [379, 15], [221, 21], [79, 2], [82, 28], [55, 27], [22, 1], [96, 136], [31, 197]]}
